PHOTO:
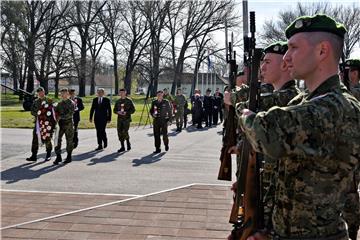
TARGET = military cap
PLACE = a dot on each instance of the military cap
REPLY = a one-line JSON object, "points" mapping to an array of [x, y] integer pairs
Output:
{"points": [[279, 47], [240, 73], [64, 90], [208, 90], [353, 63], [122, 90], [40, 89], [159, 91], [72, 90], [316, 23]]}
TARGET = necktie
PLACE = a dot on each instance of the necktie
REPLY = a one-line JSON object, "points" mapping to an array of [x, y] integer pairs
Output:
{"points": [[100, 100]]}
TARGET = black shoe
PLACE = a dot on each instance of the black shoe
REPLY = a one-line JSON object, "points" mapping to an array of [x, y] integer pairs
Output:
{"points": [[33, 158], [158, 150], [48, 156], [58, 159], [122, 149], [128, 145], [105, 144], [99, 148], [166, 147], [68, 160]]}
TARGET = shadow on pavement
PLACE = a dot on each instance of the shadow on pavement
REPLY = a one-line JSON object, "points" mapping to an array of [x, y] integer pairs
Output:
{"points": [[105, 159], [24, 171], [151, 158]]}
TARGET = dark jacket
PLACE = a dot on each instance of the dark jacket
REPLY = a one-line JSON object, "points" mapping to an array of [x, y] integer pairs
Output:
{"points": [[102, 111], [161, 110], [79, 106]]}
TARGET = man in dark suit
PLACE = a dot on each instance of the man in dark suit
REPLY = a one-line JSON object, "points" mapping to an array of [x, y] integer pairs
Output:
{"points": [[79, 106], [102, 108]]}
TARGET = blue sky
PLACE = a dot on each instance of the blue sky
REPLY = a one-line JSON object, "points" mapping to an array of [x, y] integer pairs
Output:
{"points": [[267, 10]]}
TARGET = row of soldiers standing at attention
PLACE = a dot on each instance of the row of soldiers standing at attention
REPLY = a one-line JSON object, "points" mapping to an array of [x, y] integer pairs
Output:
{"points": [[309, 141]]}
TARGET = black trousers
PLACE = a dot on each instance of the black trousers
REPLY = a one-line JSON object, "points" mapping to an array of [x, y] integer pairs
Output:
{"points": [[208, 117], [160, 128], [100, 132], [76, 138], [215, 117]]}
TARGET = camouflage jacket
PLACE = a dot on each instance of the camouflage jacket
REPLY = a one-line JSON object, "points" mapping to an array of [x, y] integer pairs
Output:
{"points": [[239, 94], [161, 110], [180, 101], [65, 109], [316, 141], [126, 106]]}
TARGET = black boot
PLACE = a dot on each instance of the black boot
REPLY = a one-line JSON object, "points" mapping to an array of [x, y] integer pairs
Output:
{"points": [[158, 150], [68, 158], [33, 157], [128, 145], [166, 147], [58, 159], [48, 155], [122, 149]]}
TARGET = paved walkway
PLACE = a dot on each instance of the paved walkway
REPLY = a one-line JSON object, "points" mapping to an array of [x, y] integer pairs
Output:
{"points": [[191, 212]]}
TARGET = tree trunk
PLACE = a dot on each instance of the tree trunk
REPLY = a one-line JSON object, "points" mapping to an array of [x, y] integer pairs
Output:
{"points": [[57, 78], [82, 75], [116, 74], [92, 77], [31, 65]]}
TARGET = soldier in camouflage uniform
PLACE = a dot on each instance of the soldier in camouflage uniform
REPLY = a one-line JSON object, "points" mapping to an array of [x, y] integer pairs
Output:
{"points": [[65, 110], [124, 107], [179, 107], [352, 206], [161, 112], [315, 139], [354, 76], [35, 141]]}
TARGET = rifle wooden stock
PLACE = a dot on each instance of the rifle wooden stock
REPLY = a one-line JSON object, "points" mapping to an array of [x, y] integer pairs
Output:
{"points": [[225, 171]]}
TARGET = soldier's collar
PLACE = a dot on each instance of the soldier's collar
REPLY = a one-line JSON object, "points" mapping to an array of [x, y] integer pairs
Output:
{"points": [[331, 83], [287, 85]]}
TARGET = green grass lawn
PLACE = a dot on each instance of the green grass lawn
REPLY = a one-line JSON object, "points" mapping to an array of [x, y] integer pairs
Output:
{"points": [[13, 115]]}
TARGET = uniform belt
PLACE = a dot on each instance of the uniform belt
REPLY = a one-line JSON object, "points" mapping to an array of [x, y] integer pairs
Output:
{"points": [[337, 236]]}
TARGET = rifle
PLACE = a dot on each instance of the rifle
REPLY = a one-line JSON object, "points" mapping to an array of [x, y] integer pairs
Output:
{"points": [[229, 138], [247, 210]]}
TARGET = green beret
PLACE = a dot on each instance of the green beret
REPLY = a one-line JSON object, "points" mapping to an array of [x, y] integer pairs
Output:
{"points": [[277, 47], [352, 63], [316, 23], [40, 89], [64, 90]]}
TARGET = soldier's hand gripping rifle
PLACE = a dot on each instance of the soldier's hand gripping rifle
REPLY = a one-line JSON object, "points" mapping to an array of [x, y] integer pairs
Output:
{"points": [[229, 138], [247, 211]]}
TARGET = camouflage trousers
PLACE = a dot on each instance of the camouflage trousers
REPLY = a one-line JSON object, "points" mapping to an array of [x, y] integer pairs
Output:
{"points": [[123, 126], [351, 211], [35, 143], [67, 128], [179, 118]]}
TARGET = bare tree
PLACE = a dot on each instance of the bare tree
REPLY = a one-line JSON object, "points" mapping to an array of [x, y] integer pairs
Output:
{"points": [[201, 18], [155, 13], [96, 41], [82, 17], [349, 16], [12, 41]]}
